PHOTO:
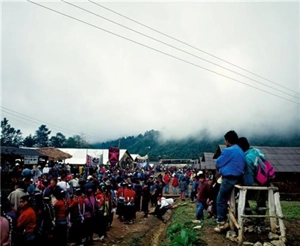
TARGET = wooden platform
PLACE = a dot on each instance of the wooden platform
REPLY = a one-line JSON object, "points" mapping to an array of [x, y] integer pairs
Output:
{"points": [[275, 212]]}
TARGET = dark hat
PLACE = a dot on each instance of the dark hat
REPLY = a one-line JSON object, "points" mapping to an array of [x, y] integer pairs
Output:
{"points": [[201, 176]]}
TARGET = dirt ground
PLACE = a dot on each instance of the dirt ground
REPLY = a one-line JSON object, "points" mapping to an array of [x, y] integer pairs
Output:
{"points": [[144, 232], [150, 232]]}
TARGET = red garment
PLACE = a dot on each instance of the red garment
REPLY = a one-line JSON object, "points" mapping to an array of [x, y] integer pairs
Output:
{"points": [[129, 195], [100, 199], [203, 191], [166, 178], [120, 192], [175, 182], [61, 208], [27, 220], [73, 206]]}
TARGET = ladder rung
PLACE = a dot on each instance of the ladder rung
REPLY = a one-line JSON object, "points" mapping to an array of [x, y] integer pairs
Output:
{"points": [[262, 216]]}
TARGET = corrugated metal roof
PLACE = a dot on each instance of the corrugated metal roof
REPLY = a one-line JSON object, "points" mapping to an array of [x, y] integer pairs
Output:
{"points": [[20, 151], [284, 159], [207, 161]]}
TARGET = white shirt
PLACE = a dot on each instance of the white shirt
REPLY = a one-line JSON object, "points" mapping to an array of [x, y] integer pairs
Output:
{"points": [[63, 185], [14, 197], [165, 202], [46, 170]]}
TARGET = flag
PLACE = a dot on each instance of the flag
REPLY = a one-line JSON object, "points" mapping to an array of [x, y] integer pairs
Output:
{"points": [[113, 155], [89, 160]]}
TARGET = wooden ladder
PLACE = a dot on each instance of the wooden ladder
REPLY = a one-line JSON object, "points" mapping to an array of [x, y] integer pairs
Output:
{"points": [[275, 212]]}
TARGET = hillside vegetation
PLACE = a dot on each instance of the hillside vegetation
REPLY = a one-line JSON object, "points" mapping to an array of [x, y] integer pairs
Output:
{"points": [[151, 143]]}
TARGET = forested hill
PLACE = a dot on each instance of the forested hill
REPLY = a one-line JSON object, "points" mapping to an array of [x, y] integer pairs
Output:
{"points": [[150, 143]]}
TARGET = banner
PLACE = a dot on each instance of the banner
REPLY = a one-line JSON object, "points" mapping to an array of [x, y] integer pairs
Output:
{"points": [[113, 155], [89, 160], [29, 159]]}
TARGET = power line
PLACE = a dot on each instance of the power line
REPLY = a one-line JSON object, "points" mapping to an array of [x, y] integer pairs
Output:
{"points": [[159, 51], [174, 47], [36, 121], [180, 41]]}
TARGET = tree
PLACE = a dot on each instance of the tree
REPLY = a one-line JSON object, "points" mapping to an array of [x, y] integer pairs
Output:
{"points": [[29, 141], [58, 141], [42, 136], [9, 135], [76, 142]]}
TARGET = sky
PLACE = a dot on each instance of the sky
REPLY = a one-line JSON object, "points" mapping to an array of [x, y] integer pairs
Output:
{"points": [[235, 65]]}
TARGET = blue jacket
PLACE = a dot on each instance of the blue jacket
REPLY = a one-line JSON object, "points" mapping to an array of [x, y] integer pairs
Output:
{"points": [[231, 162]]}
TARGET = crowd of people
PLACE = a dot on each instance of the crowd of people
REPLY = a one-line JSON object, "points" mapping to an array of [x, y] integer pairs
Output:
{"points": [[62, 204]]}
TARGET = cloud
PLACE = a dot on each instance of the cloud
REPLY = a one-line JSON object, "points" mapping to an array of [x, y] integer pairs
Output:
{"points": [[88, 81]]}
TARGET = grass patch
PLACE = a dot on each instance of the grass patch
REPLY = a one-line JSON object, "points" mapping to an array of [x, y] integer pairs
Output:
{"points": [[290, 209], [181, 232]]}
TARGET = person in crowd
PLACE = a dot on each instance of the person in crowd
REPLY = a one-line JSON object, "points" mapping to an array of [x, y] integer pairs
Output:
{"points": [[231, 165], [163, 204], [89, 184], [253, 155], [166, 180], [47, 224], [102, 210], [146, 196], [52, 188], [76, 207], [36, 172], [195, 184], [64, 185], [203, 194], [152, 189], [61, 208], [112, 202], [129, 206], [138, 191], [89, 216], [213, 198], [121, 199], [6, 223], [14, 196], [26, 222], [46, 169], [182, 187], [175, 184], [5, 238]]}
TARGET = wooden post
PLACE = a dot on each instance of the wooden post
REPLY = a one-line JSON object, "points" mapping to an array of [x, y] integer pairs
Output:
{"points": [[280, 216], [241, 208], [272, 210], [232, 208]]}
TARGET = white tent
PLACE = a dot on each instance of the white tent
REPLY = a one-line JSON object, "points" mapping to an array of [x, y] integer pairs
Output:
{"points": [[79, 155]]}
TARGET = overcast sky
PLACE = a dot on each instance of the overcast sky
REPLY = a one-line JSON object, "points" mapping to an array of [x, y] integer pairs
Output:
{"points": [[78, 79]]}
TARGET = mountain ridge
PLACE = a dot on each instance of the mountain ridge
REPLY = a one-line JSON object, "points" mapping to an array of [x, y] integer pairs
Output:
{"points": [[153, 144]]}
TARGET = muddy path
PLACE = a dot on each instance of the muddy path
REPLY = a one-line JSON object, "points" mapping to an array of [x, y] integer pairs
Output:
{"points": [[144, 232]]}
